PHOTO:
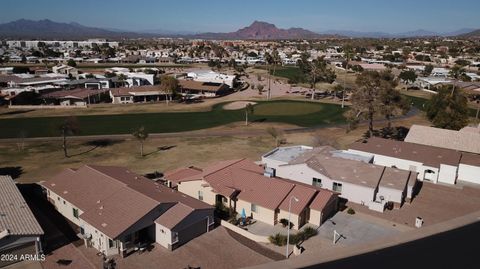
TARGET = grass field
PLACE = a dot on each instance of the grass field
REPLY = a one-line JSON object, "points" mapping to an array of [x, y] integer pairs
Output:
{"points": [[291, 73], [292, 112]]}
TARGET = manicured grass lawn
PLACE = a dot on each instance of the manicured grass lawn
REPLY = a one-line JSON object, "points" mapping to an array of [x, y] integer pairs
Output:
{"points": [[292, 108], [290, 72], [293, 112]]}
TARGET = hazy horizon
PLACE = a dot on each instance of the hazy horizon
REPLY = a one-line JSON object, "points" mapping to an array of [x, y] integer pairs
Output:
{"points": [[221, 16]]}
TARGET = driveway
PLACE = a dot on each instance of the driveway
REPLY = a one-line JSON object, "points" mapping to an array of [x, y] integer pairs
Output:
{"points": [[215, 249]]}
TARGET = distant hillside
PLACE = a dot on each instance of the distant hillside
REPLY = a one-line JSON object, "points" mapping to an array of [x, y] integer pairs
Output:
{"points": [[474, 34], [265, 31], [47, 29]]}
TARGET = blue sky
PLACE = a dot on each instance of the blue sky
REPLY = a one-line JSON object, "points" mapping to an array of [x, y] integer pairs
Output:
{"points": [[223, 16]]}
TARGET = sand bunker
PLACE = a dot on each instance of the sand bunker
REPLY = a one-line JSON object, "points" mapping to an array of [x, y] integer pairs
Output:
{"points": [[237, 105]]}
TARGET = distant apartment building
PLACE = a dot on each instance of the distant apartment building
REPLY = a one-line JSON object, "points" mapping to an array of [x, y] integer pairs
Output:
{"points": [[34, 44]]}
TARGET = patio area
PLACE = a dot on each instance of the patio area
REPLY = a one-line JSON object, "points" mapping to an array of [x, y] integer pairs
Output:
{"points": [[263, 229]]}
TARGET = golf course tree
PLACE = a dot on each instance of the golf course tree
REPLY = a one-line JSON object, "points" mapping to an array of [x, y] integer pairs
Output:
{"points": [[69, 126], [275, 134], [428, 70], [248, 110], [408, 76], [141, 135], [316, 71], [447, 110], [374, 95], [169, 85], [272, 61], [456, 73]]}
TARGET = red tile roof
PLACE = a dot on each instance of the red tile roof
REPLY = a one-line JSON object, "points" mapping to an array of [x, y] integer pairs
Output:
{"points": [[321, 200], [304, 196]]}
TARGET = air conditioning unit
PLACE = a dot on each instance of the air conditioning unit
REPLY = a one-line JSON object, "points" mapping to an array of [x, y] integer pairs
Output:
{"points": [[269, 172]]}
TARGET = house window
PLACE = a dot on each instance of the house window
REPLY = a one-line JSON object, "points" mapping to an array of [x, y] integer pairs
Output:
{"points": [[317, 182], [110, 243], [58, 198], [75, 213], [253, 208], [337, 187], [200, 195], [64, 202], [82, 231]]}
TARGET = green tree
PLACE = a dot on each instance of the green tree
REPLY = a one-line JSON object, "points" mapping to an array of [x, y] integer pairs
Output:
{"points": [[372, 97], [141, 135], [408, 76], [272, 60], [69, 126], [428, 70], [248, 110], [169, 85], [447, 110], [317, 71], [456, 73], [71, 63]]}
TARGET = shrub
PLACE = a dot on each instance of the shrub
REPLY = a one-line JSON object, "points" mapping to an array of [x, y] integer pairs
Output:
{"points": [[278, 239], [310, 232], [284, 223], [351, 211]]}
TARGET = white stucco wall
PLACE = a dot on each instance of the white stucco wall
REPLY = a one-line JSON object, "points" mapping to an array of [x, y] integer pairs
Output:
{"points": [[401, 164], [390, 195], [469, 173], [448, 174], [65, 208], [302, 173], [163, 236]]}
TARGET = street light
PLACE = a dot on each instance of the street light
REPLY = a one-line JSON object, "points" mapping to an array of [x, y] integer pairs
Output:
{"points": [[288, 228]]}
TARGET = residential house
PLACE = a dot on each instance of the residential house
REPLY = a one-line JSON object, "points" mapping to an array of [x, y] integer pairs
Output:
{"points": [[118, 211], [76, 97], [203, 89], [143, 94], [243, 186], [433, 164], [350, 175], [20, 233]]}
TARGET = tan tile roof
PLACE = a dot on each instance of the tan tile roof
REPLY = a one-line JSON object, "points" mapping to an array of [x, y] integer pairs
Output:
{"points": [[395, 178], [429, 155], [174, 215], [114, 198], [15, 215], [201, 86], [443, 138], [130, 91], [78, 93]]}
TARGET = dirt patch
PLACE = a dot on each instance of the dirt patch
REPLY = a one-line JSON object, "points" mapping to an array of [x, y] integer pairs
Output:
{"points": [[237, 105]]}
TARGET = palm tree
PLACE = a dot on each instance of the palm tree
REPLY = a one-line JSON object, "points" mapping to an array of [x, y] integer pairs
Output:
{"points": [[248, 110], [348, 56], [272, 61], [141, 135]]}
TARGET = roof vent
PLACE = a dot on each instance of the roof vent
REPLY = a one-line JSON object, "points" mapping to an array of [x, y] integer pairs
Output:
{"points": [[104, 224]]}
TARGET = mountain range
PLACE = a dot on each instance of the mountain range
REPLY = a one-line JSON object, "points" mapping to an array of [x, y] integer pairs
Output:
{"points": [[47, 29]]}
